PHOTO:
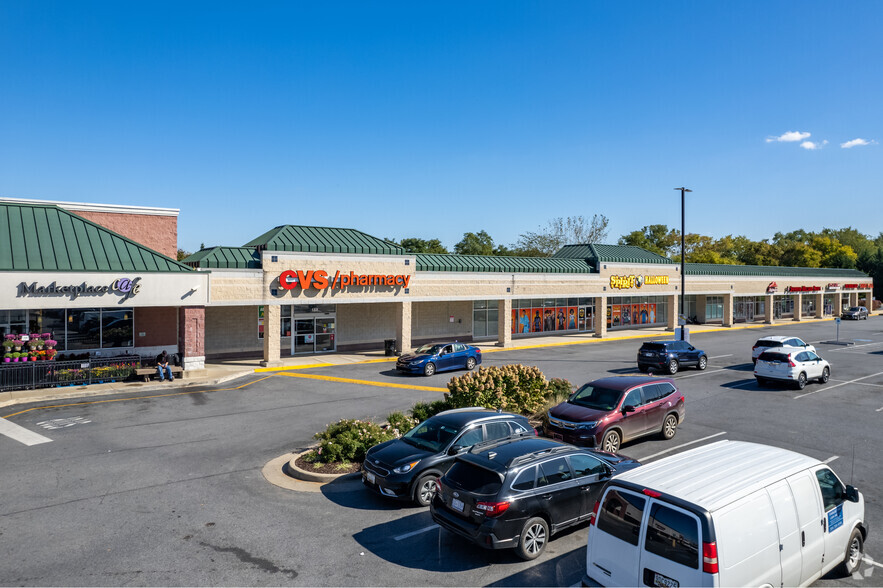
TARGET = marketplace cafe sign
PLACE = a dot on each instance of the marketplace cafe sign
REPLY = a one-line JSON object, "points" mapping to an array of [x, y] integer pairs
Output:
{"points": [[322, 280], [126, 287], [625, 282]]}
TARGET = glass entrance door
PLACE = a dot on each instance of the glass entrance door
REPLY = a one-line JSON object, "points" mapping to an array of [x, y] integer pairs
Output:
{"points": [[585, 320], [313, 335]]}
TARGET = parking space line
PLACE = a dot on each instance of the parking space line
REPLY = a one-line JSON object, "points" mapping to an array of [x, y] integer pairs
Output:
{"points": [[21, 434], [417, 532], [838, 385], [702, 373], [859, 383], [851, 347], [830, 459], [365, 382], [720, 356], [879, 409], [643, 459]]}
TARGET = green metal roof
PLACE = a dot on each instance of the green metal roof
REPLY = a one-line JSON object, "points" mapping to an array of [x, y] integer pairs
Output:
{"points": [[48, 238], [776, 271], [225, 258], [598, 253], [323, 240], [440, 262]]}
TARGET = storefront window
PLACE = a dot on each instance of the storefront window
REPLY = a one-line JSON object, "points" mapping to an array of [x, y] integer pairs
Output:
{"points": [[52, 321], [714, 308], [630, 311], [689, 310], [541, 316], [808, 306], [485, 317], [83, 328], [116, 328], [285, 321]]}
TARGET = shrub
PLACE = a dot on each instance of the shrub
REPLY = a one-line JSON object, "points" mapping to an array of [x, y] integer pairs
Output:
{"points": [[349, 440], [400, 424], [424, 410], [513, 388]]}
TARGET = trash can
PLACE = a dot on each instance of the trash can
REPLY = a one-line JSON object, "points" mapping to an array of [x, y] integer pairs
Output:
{"points": [[389, 347]]}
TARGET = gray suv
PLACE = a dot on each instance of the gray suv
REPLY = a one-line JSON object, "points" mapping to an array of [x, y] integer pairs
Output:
{"points": [[856, 313]]}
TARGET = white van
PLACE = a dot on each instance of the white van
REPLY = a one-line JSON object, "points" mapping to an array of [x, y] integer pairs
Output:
{"points": [[726, 514]]}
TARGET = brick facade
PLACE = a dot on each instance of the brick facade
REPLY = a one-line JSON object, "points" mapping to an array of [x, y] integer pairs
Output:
{"points": [[159, 325], [191, 336], [158, 232]]}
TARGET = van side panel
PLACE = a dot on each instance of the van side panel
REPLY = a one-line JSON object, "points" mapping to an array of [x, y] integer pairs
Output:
{"points": [[809, 516], [748, 542], [789, 532]]}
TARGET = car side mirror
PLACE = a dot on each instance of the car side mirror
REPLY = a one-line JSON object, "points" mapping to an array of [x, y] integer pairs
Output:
{"points": [[628, 408], [455, 449], [692, 348], [851, 494]]}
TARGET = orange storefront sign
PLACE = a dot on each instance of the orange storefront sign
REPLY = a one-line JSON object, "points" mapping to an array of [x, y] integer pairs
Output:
{"points": [[321, 280]]}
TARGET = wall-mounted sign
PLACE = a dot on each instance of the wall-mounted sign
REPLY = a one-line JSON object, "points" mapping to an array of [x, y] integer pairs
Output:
{"points": [[632, 281], [773, 287], [125, 287], [320, 280], [857, 286], [832, 287], [803, 289]]}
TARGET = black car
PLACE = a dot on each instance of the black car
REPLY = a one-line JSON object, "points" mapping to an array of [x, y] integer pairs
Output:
{"points": [[669, 356], [516, 493], [409, 467]]}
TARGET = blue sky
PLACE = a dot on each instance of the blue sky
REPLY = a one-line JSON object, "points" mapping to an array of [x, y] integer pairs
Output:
{"points": [[430, 119]]}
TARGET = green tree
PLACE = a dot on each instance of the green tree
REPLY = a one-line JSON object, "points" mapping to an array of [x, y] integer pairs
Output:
{"points": [[797, 254], [182, 254], [834, 253], [858, 241], [656, 238], [416, 245], [479, 243]]}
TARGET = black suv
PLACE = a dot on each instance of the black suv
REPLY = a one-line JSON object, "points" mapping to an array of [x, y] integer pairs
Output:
{"points": [[515, 493], [408, 468], [669, 356]]}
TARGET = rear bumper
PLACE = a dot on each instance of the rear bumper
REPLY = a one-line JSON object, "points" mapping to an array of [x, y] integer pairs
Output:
{"points": [[484, 535]]}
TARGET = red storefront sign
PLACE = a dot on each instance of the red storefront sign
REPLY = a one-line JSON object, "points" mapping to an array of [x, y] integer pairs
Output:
{"points": [[773, 287], [320, 280], [803, 289]]}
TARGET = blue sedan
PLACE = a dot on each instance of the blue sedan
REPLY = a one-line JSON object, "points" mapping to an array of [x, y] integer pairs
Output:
{"points": [[439, 357]]}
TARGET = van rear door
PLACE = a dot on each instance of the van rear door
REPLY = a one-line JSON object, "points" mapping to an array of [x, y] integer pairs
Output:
{"points": [[672, 554], [805, 489], [613, 553], [789, 532]]}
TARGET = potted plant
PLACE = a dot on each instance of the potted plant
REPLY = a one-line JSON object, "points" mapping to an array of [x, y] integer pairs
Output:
{"points": [[7, 357], [50, 353], [8, 344], [17, 343], [51, 343], [16, 356]]}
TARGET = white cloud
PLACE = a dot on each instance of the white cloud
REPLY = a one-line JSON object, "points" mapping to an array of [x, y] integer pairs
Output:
{"points": [[857, 143], [811, 146], [789, 137]]}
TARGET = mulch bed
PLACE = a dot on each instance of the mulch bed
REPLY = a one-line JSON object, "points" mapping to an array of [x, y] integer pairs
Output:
{"points": [[327, 468]]}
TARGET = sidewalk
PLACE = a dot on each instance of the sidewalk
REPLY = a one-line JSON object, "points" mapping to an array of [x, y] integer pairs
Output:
{"points": [[220, 371]]}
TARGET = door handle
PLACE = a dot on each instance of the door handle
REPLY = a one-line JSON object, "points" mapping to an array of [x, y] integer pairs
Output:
{"points": [[803, 539], [547, 497]]}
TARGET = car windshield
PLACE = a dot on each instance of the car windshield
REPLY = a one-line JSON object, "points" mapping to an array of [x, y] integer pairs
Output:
{"points": [[773, 356], [473, 478], [768, 343], [653, 347], [431, 435], [596, 397], [429, 349]]}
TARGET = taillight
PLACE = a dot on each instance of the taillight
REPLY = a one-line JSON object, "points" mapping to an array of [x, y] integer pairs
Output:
{"points": [[536, 433], [593, 520], [791, 362], [477, 350], [492, 509], [438, 487], [709, 558]]}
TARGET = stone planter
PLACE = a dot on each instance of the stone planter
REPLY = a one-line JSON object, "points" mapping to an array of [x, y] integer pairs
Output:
{"points": [[295, 472]]}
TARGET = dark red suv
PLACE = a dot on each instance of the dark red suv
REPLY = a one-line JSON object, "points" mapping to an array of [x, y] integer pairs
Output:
{"points": [[607, 412]]}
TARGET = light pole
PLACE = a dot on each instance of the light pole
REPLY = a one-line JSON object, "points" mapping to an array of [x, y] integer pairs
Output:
{"points": [[683, 276]]}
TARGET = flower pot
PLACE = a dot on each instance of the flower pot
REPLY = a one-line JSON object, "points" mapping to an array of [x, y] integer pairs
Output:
{"points": [[15, 359], [18, 347], [7, 359]]}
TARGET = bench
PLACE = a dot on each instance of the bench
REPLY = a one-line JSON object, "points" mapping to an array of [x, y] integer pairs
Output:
{"points": [[177, 371]]}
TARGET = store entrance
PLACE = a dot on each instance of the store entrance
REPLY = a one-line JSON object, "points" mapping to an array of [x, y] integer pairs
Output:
{"points": [[743, 311], [313, 335], [586, 322]]}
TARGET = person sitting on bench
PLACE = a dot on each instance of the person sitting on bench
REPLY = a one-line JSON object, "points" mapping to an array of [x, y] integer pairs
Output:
{"points": [[162, 365]]}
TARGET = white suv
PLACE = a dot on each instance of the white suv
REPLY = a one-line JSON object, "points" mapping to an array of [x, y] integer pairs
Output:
{"points": [[777, 341], [789, 364]]}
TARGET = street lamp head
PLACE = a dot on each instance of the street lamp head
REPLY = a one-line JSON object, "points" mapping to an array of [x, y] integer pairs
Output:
{"points": [[684, 189]]}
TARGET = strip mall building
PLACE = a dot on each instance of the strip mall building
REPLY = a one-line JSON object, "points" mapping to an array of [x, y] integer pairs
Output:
{"points": [[306, 290]]}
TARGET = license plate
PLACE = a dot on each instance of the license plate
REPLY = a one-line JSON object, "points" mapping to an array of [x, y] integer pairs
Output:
{"points": [[660, 580], [370, 477], [647, 354], [457, 504], [558, 436]]}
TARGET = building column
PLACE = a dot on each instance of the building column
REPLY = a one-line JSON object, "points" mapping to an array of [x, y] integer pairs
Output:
{"points": [[768, 310], [838, 304], [272, 340], [728, 310], [504, 323], [600, 316], [403, 326], [820, 305], [673, 311], [853, 299], [191, 337], [798, 307]]}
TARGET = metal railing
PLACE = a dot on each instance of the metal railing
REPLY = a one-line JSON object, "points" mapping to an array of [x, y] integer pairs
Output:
{"points": [[47, 374]]}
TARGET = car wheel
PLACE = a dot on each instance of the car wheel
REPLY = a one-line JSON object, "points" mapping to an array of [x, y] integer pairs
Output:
{"points": [[669, 427], [673, 366], [855, 550], [826, 373], [534, 537], [429, 369], [611, 441], [703, 362], [762, 381], [801, 381], [425, 489], [470, 363]]}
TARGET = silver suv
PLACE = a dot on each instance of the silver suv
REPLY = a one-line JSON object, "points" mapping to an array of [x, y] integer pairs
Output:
{"points": [[855, 313]]}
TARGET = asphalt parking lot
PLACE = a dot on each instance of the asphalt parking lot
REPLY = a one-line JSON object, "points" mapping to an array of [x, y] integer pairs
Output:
{"points": [[167, 489]]}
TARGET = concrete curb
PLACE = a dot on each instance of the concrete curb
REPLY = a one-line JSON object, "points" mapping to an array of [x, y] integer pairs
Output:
{"points": [[296, 472], [274, 472]]}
